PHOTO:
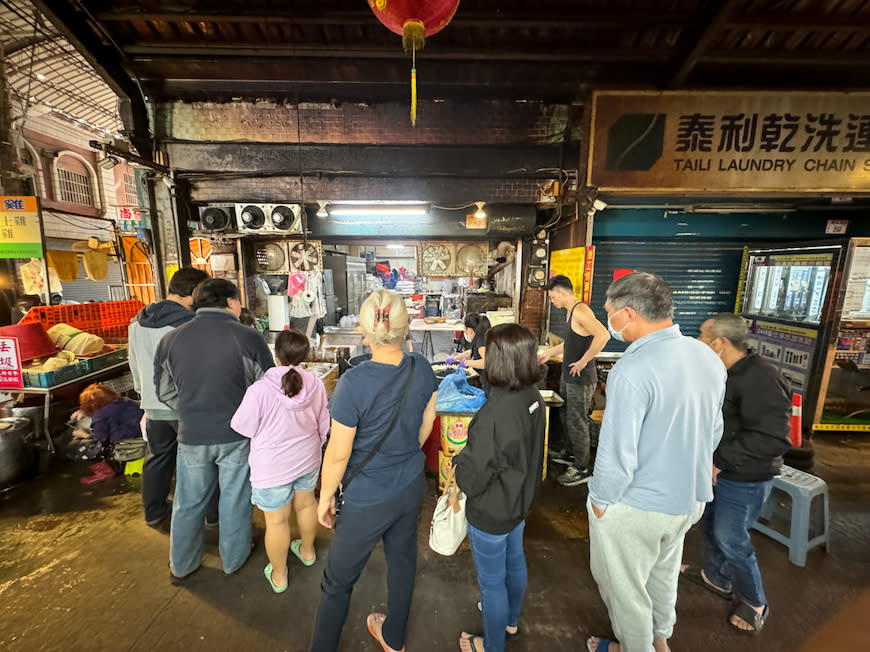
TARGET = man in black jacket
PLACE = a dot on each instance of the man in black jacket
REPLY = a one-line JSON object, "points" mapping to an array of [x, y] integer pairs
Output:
{"points": [[202, 369], [756, 412]]}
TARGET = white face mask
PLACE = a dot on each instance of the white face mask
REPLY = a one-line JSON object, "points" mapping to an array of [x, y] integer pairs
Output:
{"points": [[617, 334], [467, 339]]}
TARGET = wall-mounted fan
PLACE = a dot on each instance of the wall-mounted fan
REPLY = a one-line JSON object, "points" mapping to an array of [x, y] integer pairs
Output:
{"points": [[216, 218], [304, 256]]}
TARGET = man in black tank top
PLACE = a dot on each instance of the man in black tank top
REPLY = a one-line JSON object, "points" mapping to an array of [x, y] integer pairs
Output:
{"points": [[585, 339]]}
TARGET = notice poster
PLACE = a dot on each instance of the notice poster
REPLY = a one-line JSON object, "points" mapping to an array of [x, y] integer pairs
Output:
{"points": [[729, 141], [20, 231], [789, 348], [570, 263], [10, 363]]}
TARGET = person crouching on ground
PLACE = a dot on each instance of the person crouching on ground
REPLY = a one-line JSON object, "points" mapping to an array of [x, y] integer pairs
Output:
{"points": [[284, 414], [113, 418], [500, 470], [382, 413]]}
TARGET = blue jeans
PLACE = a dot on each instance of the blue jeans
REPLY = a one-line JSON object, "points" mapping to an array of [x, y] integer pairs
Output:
{"points": [[200, 470], [729, 558], [357, 531], [502, 576]]}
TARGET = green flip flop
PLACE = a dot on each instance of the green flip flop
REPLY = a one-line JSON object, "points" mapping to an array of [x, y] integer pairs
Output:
{"points": [[268, 573], [296, 548]]}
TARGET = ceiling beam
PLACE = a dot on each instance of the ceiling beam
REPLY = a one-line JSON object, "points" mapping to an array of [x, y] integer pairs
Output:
{"points": [[575, 20], [712, 20], [779, 58], [180, 49], [11, 47], [803, 22]]}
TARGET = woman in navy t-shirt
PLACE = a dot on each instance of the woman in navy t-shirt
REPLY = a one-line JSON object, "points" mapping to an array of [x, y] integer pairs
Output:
{"points": [[383, 501]]}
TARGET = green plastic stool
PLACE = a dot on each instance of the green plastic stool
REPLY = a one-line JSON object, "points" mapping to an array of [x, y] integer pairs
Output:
{"points": [[134, 467]]}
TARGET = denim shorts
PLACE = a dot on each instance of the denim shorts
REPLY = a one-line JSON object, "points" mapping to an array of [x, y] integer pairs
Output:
{"points": [[274, 498]]}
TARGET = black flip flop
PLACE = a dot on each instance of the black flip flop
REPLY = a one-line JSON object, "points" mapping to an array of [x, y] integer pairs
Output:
{"points": [[471, 638], [693, 575], [749, 616], [506, 632]]}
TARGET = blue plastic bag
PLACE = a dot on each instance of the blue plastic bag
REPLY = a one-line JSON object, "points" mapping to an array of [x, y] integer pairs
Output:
{"points": [[456, 395]]}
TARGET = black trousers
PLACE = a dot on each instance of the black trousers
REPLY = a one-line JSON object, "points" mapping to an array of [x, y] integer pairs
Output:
{"points": [[357, 532], [159, 469]]}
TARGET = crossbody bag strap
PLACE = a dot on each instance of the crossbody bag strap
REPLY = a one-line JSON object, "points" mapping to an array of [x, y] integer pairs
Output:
{"points": [[377, 446]]}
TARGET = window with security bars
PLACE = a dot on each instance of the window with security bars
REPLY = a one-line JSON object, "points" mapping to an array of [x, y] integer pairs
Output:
{"points": [[130, 189], [75, 187]]}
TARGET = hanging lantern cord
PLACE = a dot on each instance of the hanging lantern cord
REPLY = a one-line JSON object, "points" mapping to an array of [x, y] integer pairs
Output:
{"points": [[413, 86]]}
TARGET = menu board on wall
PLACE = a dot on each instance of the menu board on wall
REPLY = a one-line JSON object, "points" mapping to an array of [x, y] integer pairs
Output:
{"points": [[726, 141], [570, 263]]}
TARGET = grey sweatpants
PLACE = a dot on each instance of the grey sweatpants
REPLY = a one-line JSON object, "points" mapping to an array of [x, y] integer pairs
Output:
{"points": [[578, 424], [635, 559]]}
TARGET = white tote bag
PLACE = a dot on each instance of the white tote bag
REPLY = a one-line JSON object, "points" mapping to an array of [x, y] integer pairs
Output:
{"points": [[449, 527]]}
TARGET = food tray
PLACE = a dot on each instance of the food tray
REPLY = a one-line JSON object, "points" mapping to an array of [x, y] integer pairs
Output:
{"points": [[327, 372], [104, 360], [52, 378]]}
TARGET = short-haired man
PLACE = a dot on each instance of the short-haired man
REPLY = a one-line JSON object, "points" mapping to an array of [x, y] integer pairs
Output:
{"points": [[204, 368], [756, 412], [653, 471], [161, 422], [585, 338]]}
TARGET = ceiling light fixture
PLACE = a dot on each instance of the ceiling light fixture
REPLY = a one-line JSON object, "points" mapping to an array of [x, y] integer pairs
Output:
{"points": [[41, 77], [109, 162], [385, 210], [321, 211], [480, 213]]}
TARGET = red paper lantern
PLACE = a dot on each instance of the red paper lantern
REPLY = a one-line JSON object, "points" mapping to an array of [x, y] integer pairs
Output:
{"points": [[414, 20]]}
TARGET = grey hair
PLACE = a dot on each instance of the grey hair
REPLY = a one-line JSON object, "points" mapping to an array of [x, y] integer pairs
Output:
{"points": [[647, 294], [732, 327]]}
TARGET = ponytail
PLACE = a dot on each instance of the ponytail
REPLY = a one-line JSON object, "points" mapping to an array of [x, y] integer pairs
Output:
{"points": [[291, 348], [291, 383]]}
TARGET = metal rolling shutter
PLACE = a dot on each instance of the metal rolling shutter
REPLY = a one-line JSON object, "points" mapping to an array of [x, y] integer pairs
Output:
{"points": [[82, 289], [703, 275]]}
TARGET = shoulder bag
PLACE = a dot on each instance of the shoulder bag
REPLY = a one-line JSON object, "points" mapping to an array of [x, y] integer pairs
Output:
{"points": [[374, 451], [449, 527]]}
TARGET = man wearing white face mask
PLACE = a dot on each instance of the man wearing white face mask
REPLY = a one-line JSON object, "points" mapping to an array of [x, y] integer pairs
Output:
{"points": [[653, 471]]}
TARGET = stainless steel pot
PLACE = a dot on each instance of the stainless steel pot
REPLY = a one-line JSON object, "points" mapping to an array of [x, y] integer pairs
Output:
{"points": [[17, 456]]}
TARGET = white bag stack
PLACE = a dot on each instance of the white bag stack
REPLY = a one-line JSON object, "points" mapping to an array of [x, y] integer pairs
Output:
{"points": [[449, 527]]}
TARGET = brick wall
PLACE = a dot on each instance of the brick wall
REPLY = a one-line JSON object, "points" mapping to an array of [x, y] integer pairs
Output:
{"points": [[532, 310], [447, 123]]}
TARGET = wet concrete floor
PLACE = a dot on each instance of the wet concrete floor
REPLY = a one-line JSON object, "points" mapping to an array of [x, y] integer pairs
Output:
{"points": [[80, 570]]}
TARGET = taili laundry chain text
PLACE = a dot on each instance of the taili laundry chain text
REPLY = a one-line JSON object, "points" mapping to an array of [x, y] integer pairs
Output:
{"points": [[730, 141]]}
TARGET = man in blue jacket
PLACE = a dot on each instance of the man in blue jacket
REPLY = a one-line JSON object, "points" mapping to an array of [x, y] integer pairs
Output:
{"points": [[203, 369], [161, 422], [654, 468]]}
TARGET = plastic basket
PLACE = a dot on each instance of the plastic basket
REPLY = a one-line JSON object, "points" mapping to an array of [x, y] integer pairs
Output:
{"points": [[52, 378], [107, 319], [104, 360]]}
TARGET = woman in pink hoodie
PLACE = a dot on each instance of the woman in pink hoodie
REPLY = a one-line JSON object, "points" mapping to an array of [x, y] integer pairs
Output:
{"points": [[284, 414]]}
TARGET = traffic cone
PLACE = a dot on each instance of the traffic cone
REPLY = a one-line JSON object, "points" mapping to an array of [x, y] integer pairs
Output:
{"points": [[796, 421]]}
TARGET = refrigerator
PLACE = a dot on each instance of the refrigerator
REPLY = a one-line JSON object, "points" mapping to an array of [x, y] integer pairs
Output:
{"points": [[348, 281]]}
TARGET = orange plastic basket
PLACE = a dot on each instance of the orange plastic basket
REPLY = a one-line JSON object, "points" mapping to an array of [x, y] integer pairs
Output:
{"points": [[107, 319]]}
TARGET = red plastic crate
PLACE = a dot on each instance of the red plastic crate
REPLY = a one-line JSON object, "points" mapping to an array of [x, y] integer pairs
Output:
{"points": [[107, 319]]}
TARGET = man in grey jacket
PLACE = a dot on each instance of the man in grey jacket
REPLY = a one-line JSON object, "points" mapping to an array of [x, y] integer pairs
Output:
{"points": [[203, 369], [161, 422]]}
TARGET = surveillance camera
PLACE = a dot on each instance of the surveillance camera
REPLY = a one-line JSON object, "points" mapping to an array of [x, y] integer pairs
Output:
{"points": [[168, 181], [599, 205]]}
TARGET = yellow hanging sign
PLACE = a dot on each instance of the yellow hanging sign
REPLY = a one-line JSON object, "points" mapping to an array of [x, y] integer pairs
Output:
{"points": [[20, 233]]}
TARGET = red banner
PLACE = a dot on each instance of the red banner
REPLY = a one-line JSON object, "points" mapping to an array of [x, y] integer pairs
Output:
{"points": [[587, 274], [10, 364]]}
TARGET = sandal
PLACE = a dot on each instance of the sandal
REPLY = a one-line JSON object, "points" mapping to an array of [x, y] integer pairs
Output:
{"points": [[603, 644], [471, 638], [296, 549], [749, 616], [375, 624], [693, 575], [507, 633], [268, 573]]}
